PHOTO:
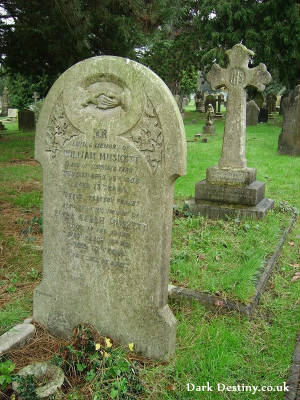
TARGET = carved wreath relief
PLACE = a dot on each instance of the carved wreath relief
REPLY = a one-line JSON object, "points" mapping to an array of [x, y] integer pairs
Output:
{"points": [[59, 129], [147, 136]]}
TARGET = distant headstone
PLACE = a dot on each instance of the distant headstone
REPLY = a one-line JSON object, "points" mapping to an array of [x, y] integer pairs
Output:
{"points": [[5, 102], [210, 99], [111, 142], [230, 188], [12, 113], [2, 127], [263, 114], [199, 101], [179, 101], [289, 139], [252, 112], [209, 127], [35, 97], [271, 102], [26, 120]]}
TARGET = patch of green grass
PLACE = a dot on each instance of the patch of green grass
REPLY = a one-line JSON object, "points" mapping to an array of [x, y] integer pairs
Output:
{"points": [[28, 200], [16, 146], [20, 173], [224, 256], [15, 312]]}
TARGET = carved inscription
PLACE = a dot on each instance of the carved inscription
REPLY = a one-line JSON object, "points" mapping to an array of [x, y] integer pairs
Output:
{"points": [[147, 136], [100, 212], [237, 76]]}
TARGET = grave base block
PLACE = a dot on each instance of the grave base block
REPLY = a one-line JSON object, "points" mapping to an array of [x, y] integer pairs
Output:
{"points": [[214, 210]]}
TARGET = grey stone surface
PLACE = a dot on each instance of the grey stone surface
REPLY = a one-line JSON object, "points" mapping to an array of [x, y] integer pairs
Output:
{"points": [[236, 77], [210, 99], [16, 337], [248, 195], [12, 113], [5, 102], [209, 127], [252, 111], [289, 139], [199, 101], [230, 176], [215, 210], [26, 120], [28, 320], [111, 143], [52, 374]]}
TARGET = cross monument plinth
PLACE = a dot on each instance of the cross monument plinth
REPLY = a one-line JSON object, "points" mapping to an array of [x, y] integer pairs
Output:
{"points": [[230, 187]]}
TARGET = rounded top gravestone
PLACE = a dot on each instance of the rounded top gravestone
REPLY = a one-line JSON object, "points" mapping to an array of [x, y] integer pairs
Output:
{"points": [[111, 142]]}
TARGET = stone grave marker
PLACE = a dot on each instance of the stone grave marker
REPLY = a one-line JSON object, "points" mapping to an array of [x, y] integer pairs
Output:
{"points": [[230, 187], [111, 142], [252, 111], [259, 99], [209, 127], [289, 139], [26, 120], [210, 99], [5, 102], [12, 113]]}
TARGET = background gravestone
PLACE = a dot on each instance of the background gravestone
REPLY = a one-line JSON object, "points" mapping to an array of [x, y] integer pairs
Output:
{"points": [[111, 141], [210, 99], [230, 188], [26, 120], [252, 111], [5, 102], [289, 139], [259, 99]]}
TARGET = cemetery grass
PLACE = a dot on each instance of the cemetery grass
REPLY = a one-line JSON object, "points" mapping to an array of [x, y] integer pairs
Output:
{"points": [[211, 346]]}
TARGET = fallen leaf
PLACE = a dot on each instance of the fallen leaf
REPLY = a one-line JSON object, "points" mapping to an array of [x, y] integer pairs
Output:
{"points": [[201, 256], [291, 243], [219, 303], [218, 258]]}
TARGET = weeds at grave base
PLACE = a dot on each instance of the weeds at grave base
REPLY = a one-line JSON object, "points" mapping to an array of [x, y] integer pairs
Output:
{"points": [[93, 364]]}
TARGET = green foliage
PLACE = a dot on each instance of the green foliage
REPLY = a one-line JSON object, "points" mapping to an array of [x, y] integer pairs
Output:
{"points": [[6, 373], [26, 387], [21, 89], [100, 364]]}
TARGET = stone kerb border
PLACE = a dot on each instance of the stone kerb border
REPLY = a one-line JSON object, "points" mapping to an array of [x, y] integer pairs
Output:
{"points": [[213, 301], [294, 378]]}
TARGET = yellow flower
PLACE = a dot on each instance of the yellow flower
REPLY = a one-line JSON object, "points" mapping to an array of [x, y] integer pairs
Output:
{"points": [[97, 346], [108, 343], [106, 355], [130, 345]]}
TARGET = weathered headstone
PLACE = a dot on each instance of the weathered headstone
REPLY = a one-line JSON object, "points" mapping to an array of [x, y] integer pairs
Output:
{"points": [[35, 97], [209, 127], [210, 99], [12, 113], [289, 139], [5, 102], [26, 120], [199, 101], [231, 188], [220, 100], [252, 111], [111, 143]]}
